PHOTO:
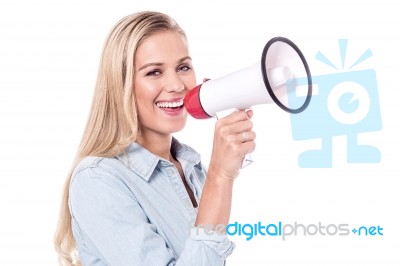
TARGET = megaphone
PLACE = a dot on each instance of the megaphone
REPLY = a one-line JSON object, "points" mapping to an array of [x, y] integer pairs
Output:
{"points": [[269, 81]]}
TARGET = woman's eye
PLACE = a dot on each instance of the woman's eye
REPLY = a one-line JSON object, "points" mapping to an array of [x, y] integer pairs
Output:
{"points": [[184, 68], [155, 72]]}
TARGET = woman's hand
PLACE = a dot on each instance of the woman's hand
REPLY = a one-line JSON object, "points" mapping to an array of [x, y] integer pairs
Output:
{"points": [[233, 139]]}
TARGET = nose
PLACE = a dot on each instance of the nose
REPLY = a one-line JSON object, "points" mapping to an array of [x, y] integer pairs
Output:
{"points": [[174, 83]]}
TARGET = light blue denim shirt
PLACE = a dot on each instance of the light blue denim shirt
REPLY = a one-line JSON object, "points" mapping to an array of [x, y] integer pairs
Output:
{"points": [[134, 210]]}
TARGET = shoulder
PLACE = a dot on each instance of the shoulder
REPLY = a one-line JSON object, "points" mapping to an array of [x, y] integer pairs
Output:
{"points": [[99, 165], [98, 183], [93, 174], [90, 162]]}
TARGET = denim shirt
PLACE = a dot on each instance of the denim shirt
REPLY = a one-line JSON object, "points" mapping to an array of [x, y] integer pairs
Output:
{"points": [[133, 209]]}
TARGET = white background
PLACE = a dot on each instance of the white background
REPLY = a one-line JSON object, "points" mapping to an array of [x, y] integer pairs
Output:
{"points": [[49, 54]]}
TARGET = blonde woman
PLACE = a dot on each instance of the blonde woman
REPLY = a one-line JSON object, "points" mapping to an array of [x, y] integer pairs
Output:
{"points": [[135, 194]]}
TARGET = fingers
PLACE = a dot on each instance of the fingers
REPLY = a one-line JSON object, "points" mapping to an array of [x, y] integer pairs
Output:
{"points": [[237, 116], [236, 122], [245, 136], [233, 139], [246, 143], [236, 129], [248, 147]]}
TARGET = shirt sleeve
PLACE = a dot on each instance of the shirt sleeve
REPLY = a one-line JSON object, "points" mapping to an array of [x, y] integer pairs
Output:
{"points": [[111, 228]]}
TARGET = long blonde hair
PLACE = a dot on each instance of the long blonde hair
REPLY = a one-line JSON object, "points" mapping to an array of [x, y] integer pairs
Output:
{"points": [[112, 123]]}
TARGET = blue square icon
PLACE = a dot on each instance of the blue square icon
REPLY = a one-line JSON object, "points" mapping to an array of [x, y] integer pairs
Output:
{"points": [[343, 103]]}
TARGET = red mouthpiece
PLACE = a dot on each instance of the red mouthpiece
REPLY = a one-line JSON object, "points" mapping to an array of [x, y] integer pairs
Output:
{"points": [[193, 105]]}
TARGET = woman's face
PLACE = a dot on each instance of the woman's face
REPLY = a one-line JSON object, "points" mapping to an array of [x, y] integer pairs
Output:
{"points": [[164, 74]]}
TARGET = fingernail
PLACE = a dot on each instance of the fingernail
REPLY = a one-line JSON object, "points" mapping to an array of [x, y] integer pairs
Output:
{"points": [[249, 113]]}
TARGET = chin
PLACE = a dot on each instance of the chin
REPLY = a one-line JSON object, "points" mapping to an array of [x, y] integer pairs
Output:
{"points": [[169, 127], [177, 128]]}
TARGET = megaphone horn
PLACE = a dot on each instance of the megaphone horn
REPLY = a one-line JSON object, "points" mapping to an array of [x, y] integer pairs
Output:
{"points": [[270, 80]]}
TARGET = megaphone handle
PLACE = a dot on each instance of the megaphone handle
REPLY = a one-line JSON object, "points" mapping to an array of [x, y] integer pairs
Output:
{"points": [[247, 160]]}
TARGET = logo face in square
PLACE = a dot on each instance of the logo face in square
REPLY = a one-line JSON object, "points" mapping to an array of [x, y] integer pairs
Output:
{"points": [[344, 103]]}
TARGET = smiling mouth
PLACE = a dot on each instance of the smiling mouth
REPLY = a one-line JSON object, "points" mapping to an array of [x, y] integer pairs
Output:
{"points": [[170, 105]]}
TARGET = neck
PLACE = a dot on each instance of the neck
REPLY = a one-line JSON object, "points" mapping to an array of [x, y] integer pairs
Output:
{"points": [[156, 143]]}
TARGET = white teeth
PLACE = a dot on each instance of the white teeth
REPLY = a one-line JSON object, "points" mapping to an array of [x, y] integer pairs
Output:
{"points": [[170, 104]]}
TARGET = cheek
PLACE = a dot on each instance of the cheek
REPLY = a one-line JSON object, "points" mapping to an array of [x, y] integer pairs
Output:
{"points": [[145, 93], [145, 110], [190, 82]]}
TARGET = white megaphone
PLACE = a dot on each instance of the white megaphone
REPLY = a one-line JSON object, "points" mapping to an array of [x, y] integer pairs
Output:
{"points": [[268, 81]]}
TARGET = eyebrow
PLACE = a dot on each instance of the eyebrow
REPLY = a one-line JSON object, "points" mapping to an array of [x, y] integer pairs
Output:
{"points": [[160, 64]]}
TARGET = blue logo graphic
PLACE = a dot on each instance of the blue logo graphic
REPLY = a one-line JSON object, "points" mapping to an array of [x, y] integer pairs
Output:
{"points": [[344, 103]]}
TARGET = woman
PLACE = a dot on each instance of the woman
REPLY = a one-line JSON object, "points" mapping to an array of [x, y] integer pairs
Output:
{"points": [[135, 194]]}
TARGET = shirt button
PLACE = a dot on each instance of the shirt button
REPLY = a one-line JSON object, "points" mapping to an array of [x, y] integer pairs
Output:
{"points": [[170, 171]]}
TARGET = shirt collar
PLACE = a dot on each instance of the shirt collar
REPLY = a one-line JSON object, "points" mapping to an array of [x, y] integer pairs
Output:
{"points": [[143, 162]]}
